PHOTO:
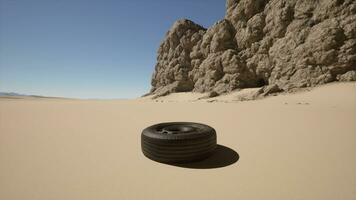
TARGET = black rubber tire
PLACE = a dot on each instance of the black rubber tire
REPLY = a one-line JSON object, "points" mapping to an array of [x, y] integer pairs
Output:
{"points": [[178, 142]]}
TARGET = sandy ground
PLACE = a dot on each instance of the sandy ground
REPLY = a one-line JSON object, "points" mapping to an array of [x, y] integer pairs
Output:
{"points": [[299, 146]]}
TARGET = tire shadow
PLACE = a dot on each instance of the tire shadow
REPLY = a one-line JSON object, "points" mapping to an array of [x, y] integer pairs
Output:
{"points": [[222, 157]]}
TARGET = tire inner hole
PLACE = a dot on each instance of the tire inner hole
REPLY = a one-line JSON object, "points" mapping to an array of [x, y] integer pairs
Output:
{"points": [[177, 129]]}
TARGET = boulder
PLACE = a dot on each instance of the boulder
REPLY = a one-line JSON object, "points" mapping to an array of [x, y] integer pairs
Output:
{"points": [[280, 45]]}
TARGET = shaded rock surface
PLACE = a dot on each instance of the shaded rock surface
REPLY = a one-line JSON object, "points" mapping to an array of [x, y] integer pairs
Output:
{"points": [[279, 44]]}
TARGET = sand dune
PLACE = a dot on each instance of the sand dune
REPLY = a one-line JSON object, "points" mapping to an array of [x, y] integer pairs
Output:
{"points": [[292, 146]]}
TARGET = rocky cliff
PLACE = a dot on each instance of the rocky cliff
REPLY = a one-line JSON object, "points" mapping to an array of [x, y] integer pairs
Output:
{"points": [[278, 44]]}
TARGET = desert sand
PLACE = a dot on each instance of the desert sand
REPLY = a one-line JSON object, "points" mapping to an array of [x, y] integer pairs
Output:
{"points": [[291, 146]]}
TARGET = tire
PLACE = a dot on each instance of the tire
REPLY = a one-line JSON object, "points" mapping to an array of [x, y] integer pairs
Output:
{"points": [[178, 142]]}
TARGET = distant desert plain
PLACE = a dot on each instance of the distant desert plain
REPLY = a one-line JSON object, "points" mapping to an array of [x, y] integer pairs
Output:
{"points": [[290, 146]]}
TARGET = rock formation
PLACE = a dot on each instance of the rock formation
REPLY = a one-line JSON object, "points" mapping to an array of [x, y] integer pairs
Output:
{"points": [[278, 44]]}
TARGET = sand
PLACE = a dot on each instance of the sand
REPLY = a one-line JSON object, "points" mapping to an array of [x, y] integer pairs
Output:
{"points": [[295, 146]]}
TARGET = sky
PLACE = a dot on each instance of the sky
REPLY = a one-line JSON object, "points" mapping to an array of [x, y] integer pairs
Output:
{"points": [[89, 48]]}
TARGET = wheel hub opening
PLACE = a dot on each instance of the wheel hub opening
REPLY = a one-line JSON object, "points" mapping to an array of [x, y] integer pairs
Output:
{"points": [[177, 129]]}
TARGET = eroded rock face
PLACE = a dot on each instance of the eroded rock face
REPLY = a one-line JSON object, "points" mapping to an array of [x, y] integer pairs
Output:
{"points": [[285, 44]]}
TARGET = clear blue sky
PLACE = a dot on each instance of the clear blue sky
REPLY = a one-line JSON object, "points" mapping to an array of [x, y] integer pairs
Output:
{"points": [[89, 48]]}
